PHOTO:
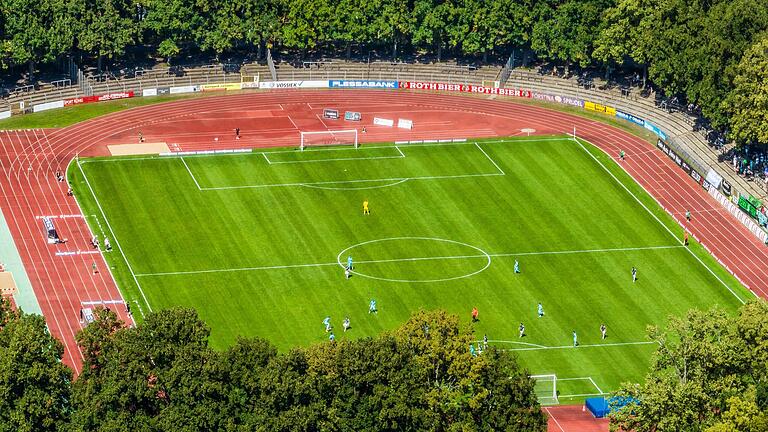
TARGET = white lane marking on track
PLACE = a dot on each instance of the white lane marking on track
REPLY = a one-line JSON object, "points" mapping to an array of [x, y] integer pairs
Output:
{"points": [[654, 216], [114, 237]]}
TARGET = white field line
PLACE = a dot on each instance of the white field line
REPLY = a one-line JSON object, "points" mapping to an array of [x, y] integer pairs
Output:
{"points": [[434, 258], [608, 345], [596, 386], [267, 159], [397, 179], [317, 149], [566, 396], [392, 179], [655, 217], [117, 242], [490, 159], [336, 159], [190, 173], [515, 342], [554, 419]]}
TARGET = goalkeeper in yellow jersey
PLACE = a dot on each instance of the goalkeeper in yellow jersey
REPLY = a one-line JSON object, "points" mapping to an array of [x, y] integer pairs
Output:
{"points": [[365, 208]]}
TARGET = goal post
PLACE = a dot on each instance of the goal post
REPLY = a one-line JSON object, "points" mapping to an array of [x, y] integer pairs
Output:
{"points": [[329, 138], [545, 387]]}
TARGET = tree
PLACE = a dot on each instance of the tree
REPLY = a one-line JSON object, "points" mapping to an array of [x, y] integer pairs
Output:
{"points": [[106, 29], [34, 384], [747, 103], [396, 22], [261, 20], [354, 22], [307, 23], [35, 30], [160, 375], [568, 33], [227, 24], [436, 23], [169, 24], [707, 372], [462, 391], [627, 33], [493, 24]]}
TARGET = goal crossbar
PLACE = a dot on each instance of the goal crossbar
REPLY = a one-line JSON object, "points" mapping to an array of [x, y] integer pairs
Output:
{"points": [[329, 137]]}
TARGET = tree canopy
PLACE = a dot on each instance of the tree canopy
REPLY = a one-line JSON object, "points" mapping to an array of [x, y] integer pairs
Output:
{"points": [[35, 387], [162, 375], [692, 49], [710, 372]]}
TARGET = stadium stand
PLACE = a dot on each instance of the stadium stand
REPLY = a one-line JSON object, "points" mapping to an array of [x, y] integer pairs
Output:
{"points": [[690, 141]]}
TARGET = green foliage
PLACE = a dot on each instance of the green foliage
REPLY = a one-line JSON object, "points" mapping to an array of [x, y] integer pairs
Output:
{"points": [[708, 371], [107, 27], [567, 33], [34, 384], [695, 49], [163, 376], [748, 101]]}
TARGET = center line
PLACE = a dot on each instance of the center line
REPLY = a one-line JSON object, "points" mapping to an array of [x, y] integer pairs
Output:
{"points": [[432, 258]]}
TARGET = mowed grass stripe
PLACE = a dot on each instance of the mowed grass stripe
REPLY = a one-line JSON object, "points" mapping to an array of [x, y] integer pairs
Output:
{"points": [[553, 197]]}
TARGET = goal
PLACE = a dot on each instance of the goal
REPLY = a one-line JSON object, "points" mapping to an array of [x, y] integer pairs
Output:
{"points": [[329, 138], [545, 387]]}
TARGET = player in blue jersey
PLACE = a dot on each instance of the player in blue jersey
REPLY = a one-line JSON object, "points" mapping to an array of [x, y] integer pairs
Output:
{"points": [[372, 307], [517, 267]]}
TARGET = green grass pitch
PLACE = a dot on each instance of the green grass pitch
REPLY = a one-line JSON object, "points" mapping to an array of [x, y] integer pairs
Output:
{"points": [[253, 242]]}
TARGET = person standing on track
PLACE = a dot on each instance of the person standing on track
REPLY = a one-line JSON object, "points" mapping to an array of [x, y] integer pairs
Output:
{"points": [[141, 137], [621, 154], [688, 215], [93, 268], [237, 133]]}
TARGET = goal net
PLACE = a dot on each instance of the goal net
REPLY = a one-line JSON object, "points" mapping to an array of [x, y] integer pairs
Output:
{"points": [[545, 387], [329, 138]]}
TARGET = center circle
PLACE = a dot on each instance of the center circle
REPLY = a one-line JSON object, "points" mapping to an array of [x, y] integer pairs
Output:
{"points": [[474, 253]]}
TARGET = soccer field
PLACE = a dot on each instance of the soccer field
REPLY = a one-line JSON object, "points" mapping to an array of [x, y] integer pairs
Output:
{"points": [[254, 242]]}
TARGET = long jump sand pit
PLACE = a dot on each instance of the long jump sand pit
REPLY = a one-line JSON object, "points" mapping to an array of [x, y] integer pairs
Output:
{"points": [[138, 149], [7, 284]]}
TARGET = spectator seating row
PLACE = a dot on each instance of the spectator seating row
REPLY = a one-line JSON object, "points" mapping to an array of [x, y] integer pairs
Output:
{"points": [[677, 125]]}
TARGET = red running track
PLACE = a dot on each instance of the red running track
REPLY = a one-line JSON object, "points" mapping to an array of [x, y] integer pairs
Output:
{"points": [[29, 160]]}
